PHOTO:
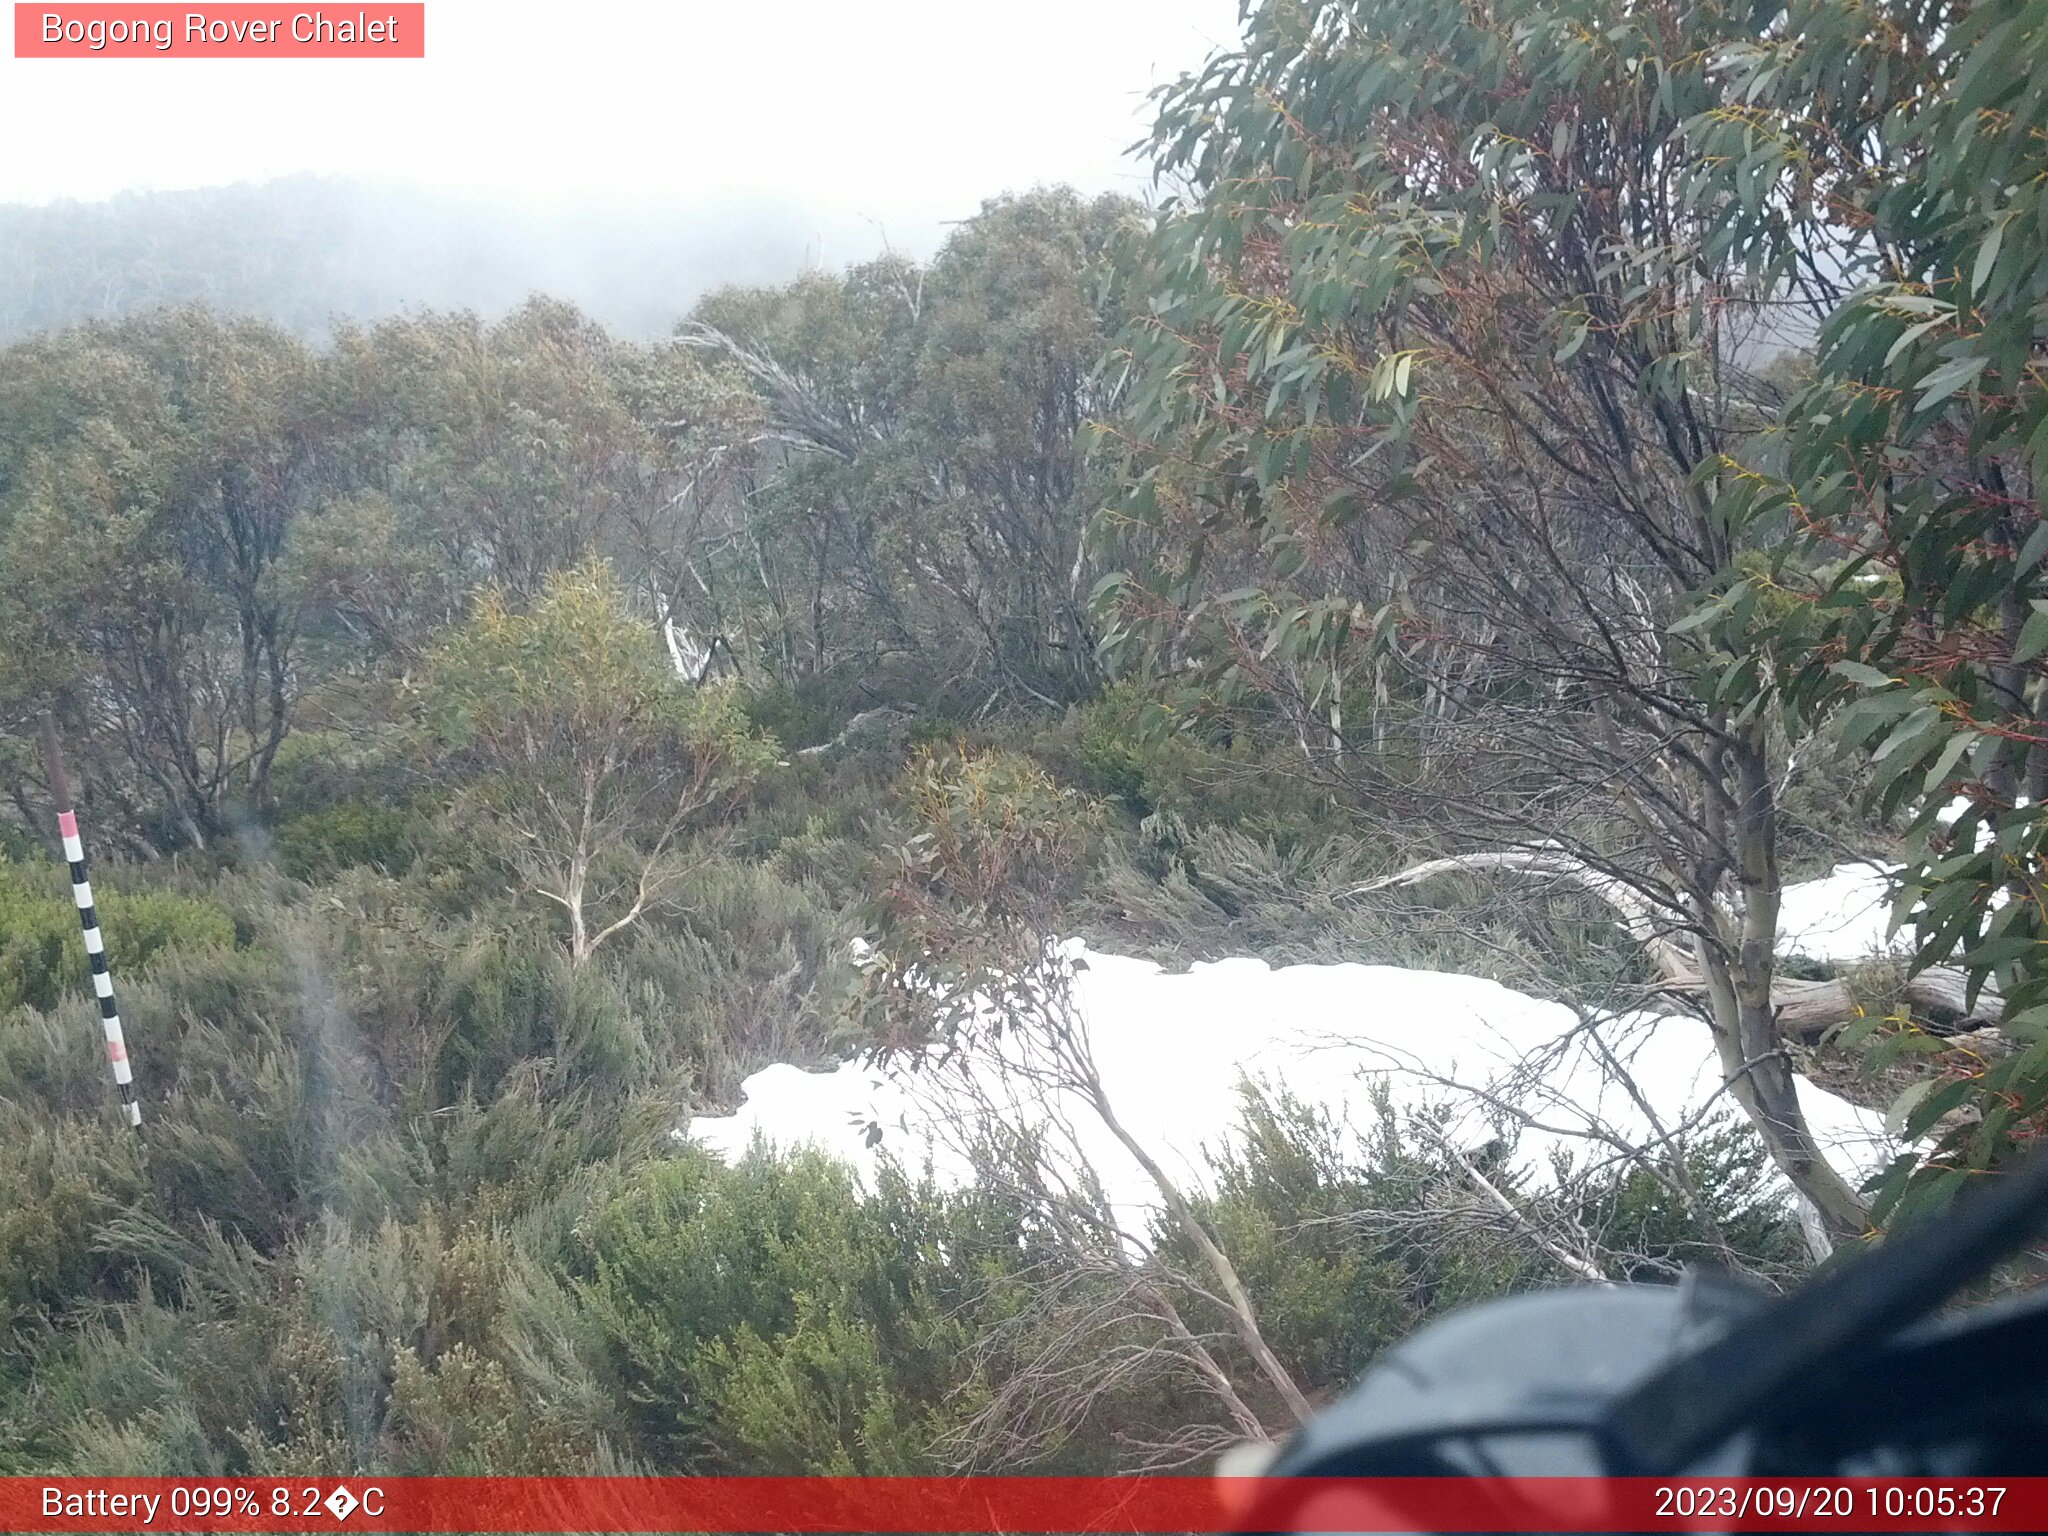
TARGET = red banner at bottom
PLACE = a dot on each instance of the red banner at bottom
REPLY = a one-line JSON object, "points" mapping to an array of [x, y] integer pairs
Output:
{"points": [[1019, 1505]]}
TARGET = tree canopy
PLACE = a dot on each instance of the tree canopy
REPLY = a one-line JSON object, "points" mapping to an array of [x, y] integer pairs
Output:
{"points": [[1543, 478]]}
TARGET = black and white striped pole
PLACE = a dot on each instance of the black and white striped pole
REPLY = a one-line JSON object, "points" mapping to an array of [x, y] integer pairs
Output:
{"points": [[88, 919]]}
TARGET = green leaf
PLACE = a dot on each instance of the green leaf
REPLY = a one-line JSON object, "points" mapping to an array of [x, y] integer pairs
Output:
{"points": [[2032, 551], [1947, 379], [1908, 336], [1987, 255], [1913, 726], [1698, 618], [1946, 763], [1867, 676], [1929, 1107], [2033, 640], [1903, 1106]]}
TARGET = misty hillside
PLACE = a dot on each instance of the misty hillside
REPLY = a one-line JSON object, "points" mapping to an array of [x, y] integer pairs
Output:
{"points": [[1036, 854], [304, 250]]}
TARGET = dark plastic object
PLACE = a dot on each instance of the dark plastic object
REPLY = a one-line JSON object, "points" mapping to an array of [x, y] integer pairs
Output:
{"points": [[1848, 1376]]}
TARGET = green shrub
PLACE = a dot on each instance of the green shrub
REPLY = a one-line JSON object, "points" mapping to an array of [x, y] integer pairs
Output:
{"points": [[1223, 770], [321, 843], [42, 955], [771, 1318], [799, 715], [316, 770], [60, 1183], [1108, 747]]}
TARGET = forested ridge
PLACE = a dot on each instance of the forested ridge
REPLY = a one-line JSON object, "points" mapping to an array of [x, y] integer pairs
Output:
{"points": [[1548, 477], [308, 252]]}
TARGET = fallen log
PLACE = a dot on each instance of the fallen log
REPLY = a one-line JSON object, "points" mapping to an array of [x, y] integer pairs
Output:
{"points": [[1808, 1011]]}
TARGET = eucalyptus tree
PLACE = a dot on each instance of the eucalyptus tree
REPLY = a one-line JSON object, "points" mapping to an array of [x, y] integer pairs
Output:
{"points": [[570, 739], [1007, 383], [1438, 365], [153, 478], [829, 361], [1908, 599], [917, 497], [508, 451]]}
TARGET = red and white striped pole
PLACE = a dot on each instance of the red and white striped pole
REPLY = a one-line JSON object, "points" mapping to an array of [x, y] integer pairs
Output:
{"points": [[88, 919]]}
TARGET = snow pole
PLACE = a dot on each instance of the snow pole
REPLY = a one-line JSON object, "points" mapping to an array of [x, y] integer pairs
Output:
{"points": [[88, 919]]}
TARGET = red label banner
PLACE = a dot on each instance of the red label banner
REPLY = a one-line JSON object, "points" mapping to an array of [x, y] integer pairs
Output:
{"points": [[227, 31], [1019, 1506]]}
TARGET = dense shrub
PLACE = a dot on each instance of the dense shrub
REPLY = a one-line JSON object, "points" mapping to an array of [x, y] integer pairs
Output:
{"points": [[418, 1024], [320, 843], [369, 762], [769, 1318], [42, 956]]}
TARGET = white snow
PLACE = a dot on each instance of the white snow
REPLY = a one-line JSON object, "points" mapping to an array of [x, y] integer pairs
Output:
{"points": [[1845, 915], [1173, 1048], [1842, 916]]}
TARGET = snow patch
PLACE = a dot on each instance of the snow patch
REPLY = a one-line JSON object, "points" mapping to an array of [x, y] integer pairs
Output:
{"points": [[1173, 1048], [1841, 917]]}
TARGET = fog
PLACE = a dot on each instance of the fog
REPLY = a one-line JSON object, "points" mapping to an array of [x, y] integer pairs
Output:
{"points": [[305, 251], [625, 156]]}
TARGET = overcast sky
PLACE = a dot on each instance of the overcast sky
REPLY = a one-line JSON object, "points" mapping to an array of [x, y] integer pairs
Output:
{"points": [[904, 110]]}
